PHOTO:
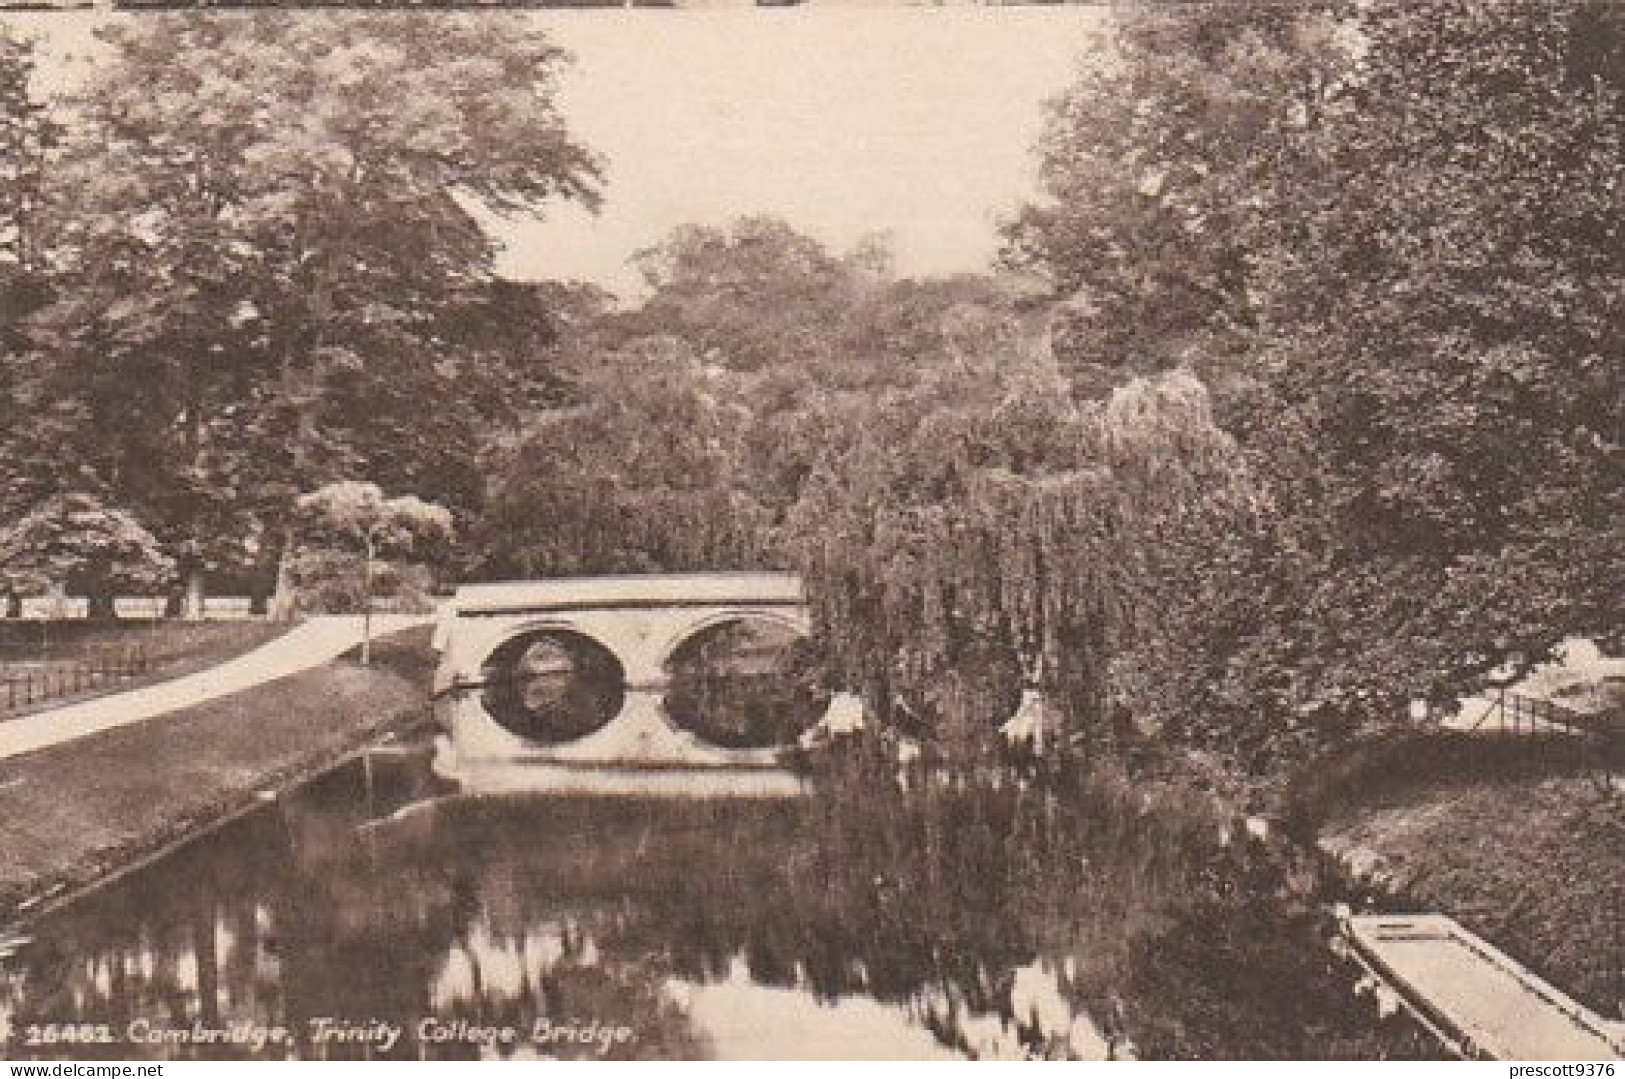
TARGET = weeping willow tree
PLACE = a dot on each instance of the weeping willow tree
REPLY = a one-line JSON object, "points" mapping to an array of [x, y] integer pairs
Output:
{"points": [[987, 531]]}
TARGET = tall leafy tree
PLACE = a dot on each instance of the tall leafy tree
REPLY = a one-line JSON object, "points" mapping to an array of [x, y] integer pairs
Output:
{"points": [[27, 135], [748, 296], [269, 255], [358, 514], [1163, 171], [1455, 352], [981, 530], [77, 543], [684, 427], [1418, 348], [641, 472]]}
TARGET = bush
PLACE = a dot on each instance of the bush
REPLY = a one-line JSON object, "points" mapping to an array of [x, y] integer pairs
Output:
{"points": [[328, 581]]}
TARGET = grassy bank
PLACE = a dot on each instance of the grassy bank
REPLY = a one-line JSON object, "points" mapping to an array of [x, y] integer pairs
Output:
{"points": [[73, 813], [1512, 840]]}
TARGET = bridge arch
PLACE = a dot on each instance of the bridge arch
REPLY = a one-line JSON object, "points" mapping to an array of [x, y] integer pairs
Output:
{"points": [[550, 683], [737, 679]]}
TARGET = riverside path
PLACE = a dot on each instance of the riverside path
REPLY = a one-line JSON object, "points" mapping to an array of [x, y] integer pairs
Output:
{"points": [[307, 645]]}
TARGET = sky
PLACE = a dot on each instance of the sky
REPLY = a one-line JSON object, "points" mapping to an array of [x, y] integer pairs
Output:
{"points": [[915, 122], [918, 123]]}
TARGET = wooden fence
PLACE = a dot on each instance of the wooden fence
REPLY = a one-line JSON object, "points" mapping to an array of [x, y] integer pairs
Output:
{"points": [[1597, 735], [28, 683]]}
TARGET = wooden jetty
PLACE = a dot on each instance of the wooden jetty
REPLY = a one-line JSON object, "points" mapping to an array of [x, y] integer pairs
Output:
{"points": [[1488, 1004]]}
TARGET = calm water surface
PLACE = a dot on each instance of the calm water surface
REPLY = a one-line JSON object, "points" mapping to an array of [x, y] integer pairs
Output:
{"points": [[363, 916]]}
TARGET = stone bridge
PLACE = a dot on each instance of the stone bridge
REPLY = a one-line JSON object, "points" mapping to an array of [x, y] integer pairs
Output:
{"points": [[633, 625]]}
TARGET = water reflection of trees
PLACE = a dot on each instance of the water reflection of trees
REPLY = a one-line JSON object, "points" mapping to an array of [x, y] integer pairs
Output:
{"points": [[1144, 913], [1000, 918], [552, 685], [939, 900], [745, 683]]}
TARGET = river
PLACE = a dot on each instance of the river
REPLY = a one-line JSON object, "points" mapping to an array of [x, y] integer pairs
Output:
{"points": [[370, 914]]}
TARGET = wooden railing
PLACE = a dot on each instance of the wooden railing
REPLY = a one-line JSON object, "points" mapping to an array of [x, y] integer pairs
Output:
{"points": [[26, 684], [1513, 713], [1593, 741]]}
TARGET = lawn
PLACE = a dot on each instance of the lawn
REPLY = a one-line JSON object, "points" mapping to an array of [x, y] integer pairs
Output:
{"points": [[72, 813]]}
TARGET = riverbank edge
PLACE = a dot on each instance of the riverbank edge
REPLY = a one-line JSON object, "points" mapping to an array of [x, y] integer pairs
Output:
{"points": [[1364, 869], [403, 655], [1431, 869]]}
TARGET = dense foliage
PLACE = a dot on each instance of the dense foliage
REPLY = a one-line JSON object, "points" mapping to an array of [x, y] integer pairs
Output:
{"points": [[354, 539], [76, 543], [1299, 394], [1388, 235], [962, 520], [1305, 400], [27, 134], [263, 262]]}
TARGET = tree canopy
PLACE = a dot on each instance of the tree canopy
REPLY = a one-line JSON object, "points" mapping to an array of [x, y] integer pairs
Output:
{"points": [[27, 134], [1413, 328], [75, 542], [357, 515], [265, 260], [962, 522], [1315, 408], [1299, 394]]}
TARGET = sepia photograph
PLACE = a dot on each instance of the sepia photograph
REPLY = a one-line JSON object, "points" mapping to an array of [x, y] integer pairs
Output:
{"points": [[804, 530]]}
